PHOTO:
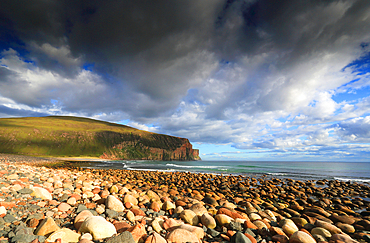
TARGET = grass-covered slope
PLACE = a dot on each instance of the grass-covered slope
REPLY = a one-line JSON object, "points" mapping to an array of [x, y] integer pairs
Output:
{"points": [[83, 137]]}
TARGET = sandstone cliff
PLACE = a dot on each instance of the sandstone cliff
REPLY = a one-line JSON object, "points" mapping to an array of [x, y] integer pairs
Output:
{"points": [[154, 147]]}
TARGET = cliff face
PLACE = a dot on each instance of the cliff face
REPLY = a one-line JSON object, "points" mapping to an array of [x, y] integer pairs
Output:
{"points": [[81, 137], [139, 150]]}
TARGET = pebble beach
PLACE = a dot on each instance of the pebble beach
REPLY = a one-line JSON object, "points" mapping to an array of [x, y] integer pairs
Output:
{"points": [[70, 204]]}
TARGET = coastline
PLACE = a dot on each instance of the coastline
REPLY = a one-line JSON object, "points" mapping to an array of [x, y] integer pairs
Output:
{"points": [[161, 205]]}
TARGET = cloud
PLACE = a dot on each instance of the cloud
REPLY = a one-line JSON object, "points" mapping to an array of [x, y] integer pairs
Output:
{"points": [[355, 130], [33, 86], [57, 59], [257, 75], [10, 112]]}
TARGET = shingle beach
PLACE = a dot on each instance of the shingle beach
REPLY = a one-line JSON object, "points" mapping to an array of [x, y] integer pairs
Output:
{"points": [[71, 204]]}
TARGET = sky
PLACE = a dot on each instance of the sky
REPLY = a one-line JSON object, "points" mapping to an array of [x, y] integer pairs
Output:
{"points": [[242, 80]]}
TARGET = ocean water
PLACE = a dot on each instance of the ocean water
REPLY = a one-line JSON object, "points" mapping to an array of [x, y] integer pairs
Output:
{"points": [[345, 171]]}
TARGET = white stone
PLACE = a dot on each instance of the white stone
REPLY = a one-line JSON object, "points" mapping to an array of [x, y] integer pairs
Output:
{"points": [[96, 197], [72, 201], [2, 210], [41, 193], [115, 204], [98, 227], [131, 199], [100, 209], [130, 216], [16, 187], [66, 236], [157, 224], [86, 236], [167, 205]]}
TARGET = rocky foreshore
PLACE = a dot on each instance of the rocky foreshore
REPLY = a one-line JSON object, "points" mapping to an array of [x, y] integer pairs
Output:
{"points": [[40, 204]]}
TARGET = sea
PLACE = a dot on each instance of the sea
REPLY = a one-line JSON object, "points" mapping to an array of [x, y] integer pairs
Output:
{"points": [[343, 171]]}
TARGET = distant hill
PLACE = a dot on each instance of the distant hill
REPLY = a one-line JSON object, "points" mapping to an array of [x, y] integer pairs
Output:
{"points": [[64, 136]]}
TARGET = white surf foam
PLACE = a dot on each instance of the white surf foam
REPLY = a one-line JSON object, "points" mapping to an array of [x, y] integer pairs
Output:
{"points": [[195, 166], [277, 174], [352, 179]]}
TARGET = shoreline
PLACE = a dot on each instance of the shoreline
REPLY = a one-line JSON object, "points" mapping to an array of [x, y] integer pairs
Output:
{"points": [[83, 162], [147, 205]]}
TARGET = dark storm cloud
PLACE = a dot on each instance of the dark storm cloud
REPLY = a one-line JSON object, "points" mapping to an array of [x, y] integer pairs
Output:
{"points": [[159, 50]]}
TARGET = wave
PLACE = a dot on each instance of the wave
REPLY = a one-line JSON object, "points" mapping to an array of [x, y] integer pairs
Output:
{"points": [[277, 174], [195, 166], [156, 170], [352, 179]]}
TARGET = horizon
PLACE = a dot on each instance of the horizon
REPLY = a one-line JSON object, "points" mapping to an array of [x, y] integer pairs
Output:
{"points": [[242, 80]]}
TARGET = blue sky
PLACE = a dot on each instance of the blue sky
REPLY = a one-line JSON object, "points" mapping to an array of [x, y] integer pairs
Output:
{"points": [[242, 80]]}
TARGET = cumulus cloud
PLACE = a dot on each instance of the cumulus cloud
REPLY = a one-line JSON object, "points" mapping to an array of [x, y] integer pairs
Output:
{"points": [[255, 74]]}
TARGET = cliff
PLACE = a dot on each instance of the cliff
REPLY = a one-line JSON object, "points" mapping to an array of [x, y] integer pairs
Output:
{"points": [[83, 137]]}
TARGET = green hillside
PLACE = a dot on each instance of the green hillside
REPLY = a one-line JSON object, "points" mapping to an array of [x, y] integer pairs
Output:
{"points": [[82, 137]]}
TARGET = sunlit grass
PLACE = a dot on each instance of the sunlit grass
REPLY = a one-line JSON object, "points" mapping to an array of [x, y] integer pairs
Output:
{"points": [[78, 137]]}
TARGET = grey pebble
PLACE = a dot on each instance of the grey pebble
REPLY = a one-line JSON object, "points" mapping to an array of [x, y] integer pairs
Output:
{"points": [[2, 222], [81, 208], [33, 208], [250, 231], [23, 238], [239, 237], [236, 226], [8, 218], [212, 232], [123, 237], [64, 198], [25, 191], [111, 213]]}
